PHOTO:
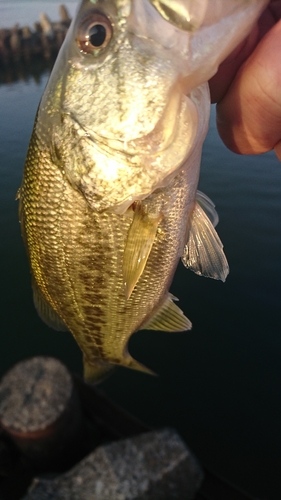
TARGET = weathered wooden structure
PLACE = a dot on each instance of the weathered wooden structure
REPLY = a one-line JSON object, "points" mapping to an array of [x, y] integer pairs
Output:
{"points": [[25, 43]]}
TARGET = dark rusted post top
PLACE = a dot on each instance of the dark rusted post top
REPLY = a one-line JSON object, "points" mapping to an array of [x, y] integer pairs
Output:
{"points": [[40, 411]]}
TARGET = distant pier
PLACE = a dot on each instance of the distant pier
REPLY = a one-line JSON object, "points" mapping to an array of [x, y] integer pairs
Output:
{"points": [[22, 44]]}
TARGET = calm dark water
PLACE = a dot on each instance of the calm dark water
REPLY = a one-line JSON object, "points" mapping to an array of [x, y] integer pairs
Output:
{"points": [[220, 384]]}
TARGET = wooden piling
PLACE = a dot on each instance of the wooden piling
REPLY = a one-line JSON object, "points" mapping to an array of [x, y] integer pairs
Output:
{"points": [[23, 43], [40, 412], [64, 16]]}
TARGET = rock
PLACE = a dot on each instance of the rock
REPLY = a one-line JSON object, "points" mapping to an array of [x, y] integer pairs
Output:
{"points": [[152, 466]]}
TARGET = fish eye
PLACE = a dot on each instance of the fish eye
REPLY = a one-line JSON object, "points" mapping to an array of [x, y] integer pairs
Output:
{"points": [[94, 33]]}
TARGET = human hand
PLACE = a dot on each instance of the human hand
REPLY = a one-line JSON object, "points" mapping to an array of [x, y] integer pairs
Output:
{"points": [[247, 89]]}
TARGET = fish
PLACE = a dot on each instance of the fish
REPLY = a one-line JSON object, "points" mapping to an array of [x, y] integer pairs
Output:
{"points": [[109, 203]]}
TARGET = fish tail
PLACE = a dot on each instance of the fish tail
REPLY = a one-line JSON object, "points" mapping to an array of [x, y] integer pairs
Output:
{"points": [[97, 370], [135, 365]]}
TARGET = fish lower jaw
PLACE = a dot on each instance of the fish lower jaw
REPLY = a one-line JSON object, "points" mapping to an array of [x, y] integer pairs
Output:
{"points": [[179, 121], [115, 179]]}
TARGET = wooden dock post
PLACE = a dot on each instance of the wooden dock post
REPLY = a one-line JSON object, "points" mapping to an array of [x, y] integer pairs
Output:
{"points": [[21, 44], [40, 411]]}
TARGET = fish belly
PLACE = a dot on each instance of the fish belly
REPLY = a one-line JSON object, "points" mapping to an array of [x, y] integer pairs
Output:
{"points": [[76, 257]]}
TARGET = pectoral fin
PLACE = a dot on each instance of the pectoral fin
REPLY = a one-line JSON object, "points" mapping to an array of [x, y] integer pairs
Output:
{"points": [[208, 206], [168, 318], [203, 252], [45, 311], [140, 239]]}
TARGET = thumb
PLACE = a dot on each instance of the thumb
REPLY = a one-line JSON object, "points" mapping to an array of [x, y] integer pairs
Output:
{"points": [[249, 116]]}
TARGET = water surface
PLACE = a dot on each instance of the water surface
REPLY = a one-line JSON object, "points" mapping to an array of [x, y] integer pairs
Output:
{"points": [[219, 384]]}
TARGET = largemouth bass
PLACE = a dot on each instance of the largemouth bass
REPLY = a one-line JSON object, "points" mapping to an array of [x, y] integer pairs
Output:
{"points": [[109, 201]]}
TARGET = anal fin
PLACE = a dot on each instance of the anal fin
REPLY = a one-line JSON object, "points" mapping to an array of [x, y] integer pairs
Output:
{"points": [[140, 239], [168, 318], [45, 311]]}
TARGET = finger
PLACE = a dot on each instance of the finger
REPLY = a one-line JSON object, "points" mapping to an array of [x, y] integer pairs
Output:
{"points": [[277, 149], [275, 8], [221, 81], [249, 116]]}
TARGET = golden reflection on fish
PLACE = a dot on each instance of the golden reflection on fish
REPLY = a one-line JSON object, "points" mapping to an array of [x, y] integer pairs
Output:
{"points": [[109, 201]]}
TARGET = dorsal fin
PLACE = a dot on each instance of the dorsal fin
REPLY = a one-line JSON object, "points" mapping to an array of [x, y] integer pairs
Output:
{"points": [[168, 318], [203, 252], [18, 193], [140, 239]]}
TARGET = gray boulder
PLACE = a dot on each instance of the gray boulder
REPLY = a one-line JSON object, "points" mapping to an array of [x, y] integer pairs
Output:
{"points": [[152, 466]]}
